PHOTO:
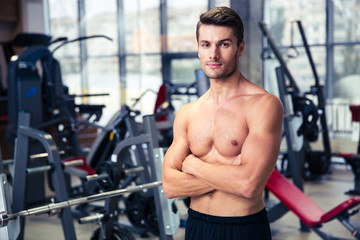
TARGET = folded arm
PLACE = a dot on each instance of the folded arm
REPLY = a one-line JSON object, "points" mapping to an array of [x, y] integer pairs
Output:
{"points": [[176, 183], [258, 155]]}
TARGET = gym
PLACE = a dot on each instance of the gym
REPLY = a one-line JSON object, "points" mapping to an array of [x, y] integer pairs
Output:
{"points": [[89, 91]]}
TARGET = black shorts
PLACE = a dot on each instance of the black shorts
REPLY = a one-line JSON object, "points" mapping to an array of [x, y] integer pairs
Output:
{"points": [[252, 227]]}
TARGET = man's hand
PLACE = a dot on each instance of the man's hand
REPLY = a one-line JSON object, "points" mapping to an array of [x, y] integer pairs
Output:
{"points": [[188, 164]]}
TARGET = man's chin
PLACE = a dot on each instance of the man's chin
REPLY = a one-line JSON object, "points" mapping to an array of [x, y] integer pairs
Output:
{"points": [[214, 75]]}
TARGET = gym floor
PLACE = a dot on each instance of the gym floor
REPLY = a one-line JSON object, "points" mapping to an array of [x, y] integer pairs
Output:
{"points": [[327, 191]]}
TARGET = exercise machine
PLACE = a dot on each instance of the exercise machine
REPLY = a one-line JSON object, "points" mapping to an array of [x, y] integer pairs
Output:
{"points": [[309, 212], [149, 219], [43, 94], [22, 171], [166, 217], [315, 162], [12, 229], [353, 159], [291, 195]]}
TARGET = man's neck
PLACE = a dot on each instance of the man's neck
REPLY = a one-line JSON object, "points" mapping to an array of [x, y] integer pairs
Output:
{"points": [[223, 89]]}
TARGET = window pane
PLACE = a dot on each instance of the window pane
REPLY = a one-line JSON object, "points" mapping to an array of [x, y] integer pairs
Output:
{"points": [[70, 73], [64, 23], [143, 74], [347, 72], [280, 14], [181, 25], [142, 26], [347, 20], [183, 71], [101, 19], [219, 3], [103, 77], [299, 68]]}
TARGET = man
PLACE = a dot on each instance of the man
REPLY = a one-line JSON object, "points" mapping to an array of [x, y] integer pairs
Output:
{"points": [[225, 143]]}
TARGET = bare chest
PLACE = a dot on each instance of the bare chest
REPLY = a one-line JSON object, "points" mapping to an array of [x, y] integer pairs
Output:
{"points": [[219, 135]]}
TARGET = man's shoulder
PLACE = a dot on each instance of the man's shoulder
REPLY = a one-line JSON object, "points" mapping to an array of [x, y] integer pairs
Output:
{"points": [[185, 110], [266, 100]]}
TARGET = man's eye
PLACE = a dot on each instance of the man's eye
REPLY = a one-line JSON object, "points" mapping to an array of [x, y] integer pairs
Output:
{"points": [[224, 44], [205, 45]]}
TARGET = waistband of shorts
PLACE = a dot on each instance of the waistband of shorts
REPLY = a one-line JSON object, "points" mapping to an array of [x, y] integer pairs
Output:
{"points": [[255, 217]]}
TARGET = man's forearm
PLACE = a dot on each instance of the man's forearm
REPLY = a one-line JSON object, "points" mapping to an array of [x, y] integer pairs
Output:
{"points": [[179, 184]]}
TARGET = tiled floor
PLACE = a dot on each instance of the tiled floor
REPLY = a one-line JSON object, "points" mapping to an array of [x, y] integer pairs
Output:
{"points": [[326, 192]]}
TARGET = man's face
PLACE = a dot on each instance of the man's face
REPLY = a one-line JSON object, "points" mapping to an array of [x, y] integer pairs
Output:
{"points": [[218, 51]]}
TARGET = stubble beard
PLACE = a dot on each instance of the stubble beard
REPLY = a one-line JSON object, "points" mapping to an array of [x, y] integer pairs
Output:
{"points": [[220, 75], [223, 74]]}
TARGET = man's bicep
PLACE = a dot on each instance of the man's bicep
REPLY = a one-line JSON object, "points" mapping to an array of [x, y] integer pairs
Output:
{"points": [[176, 154], [266, 134], [261, 147], [179, 148]]}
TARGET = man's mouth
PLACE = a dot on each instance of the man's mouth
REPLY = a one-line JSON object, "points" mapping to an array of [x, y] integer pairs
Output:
{"points": [[213, 64]]}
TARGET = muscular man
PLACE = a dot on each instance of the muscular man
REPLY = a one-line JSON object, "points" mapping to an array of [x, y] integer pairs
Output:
{"points": [[225, 143]]}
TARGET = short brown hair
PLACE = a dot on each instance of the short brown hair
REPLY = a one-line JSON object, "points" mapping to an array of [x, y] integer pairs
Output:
{"points": [[222, 16]]}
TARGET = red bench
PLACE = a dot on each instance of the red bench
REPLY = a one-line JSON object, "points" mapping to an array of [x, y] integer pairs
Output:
{"points": [[308, 211]]}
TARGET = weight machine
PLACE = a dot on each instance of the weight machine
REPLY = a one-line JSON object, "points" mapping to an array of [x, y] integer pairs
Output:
{"points": [[291, 195], [315, 162], [40, 91], [166, 217]]}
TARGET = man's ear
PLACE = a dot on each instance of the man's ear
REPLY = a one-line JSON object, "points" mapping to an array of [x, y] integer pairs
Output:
{"points": [[241, 48]]}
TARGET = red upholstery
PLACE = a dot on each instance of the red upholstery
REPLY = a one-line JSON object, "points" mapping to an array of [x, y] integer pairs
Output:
{"points": [[161, 99], [339, 208], [299, 203], [4, 118], [345, 155], [294, 199], [355, 111]]}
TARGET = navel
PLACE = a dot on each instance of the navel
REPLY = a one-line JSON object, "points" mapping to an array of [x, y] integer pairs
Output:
{"points": [[211, 194], [234, 142]]}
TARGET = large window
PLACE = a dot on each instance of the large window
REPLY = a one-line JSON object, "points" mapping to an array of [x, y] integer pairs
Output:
{"points": [[280, 17], [89, 66], [346, 50], [153, 41], [332, 31]]}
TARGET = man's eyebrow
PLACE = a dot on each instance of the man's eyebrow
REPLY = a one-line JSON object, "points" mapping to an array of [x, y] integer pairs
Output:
{"points": [[226, 39], [220, 41]]}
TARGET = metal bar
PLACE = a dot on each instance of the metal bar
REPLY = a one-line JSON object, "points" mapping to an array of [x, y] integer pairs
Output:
{"points": [[320, 95], [308, 53], [40, 169], [33, 156], [290, 150], [133, 130], [73, 163], [150, 129], [123, 146], [19, 179], [60, 205], [279, 56], [89, 219], [122, 49], [330, 69], [47, 142], [133, 170], [50, 167], [96, 177], [1, 163]]}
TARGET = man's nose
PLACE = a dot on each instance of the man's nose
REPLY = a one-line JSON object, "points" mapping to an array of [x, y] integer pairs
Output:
{"points": [[214, 53]]}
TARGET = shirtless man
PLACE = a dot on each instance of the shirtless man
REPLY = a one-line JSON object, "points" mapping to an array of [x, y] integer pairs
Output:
{"points": [[226, 143]]}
